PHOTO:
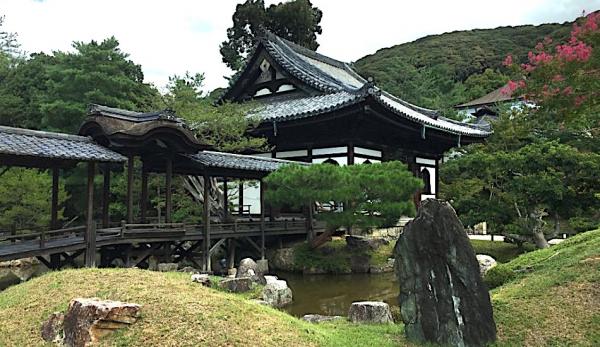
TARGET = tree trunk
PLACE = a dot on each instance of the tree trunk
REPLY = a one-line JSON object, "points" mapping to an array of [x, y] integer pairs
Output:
{"points": [[540, 240], [538, 228], [322, 239]]}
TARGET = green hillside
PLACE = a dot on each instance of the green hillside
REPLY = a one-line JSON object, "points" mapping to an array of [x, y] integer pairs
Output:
{"points": [[440, 71]]}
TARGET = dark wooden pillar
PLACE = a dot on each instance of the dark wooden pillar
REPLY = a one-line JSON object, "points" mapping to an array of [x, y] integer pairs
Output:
{"points": [[206, 222], [168, 192], [225, 200], [262, 219], [231, 254], [130, 159], [54, 206], [310, 232], [106, 197], [144, 198], [90, 233], [241, 198], [350, 154]]}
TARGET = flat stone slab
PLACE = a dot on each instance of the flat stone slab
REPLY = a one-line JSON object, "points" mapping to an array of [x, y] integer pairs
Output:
{"points": [[89, 319], [317, 318]]}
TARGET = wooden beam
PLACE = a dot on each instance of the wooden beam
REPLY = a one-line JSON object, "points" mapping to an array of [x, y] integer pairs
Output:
{"points": [[106, 197], [309, 222], [216, 246], [350, 154], [206, 221], [225, 201], [168, 192], [54, 206], [130, 159], [241, 198], [144, 198], [231, 254], [90, 234]]}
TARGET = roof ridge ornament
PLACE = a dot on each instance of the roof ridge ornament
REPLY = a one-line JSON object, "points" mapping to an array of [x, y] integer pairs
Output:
{"points": [[369, 88]]}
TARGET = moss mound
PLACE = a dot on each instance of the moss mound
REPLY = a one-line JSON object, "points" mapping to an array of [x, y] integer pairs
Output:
{"points": [[553, 296], [175, 313]]}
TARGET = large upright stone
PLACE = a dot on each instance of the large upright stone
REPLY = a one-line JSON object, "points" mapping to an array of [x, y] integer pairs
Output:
{"points": [[442, 296]]}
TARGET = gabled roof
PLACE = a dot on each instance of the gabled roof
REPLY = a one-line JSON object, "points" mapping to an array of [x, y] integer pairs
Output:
{"points": [[501, 94], [17, 142], [222, 160], [132, 116], [340, 86]]}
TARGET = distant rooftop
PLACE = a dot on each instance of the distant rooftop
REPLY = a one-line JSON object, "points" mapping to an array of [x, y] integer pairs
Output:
{"points": [[497, 96]]}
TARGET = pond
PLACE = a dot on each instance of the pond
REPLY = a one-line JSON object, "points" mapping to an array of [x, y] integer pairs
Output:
{"points": [[333, 294]]}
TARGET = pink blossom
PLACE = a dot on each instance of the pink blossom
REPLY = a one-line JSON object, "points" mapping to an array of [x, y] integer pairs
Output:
{"points": [[539, 46], [558, 78], [579, 100], [508, 61], [574, 51], [527, 67], [568, 90]]}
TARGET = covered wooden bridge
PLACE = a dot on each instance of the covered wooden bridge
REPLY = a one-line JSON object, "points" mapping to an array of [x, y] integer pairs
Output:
{"points": [[164, 145]]}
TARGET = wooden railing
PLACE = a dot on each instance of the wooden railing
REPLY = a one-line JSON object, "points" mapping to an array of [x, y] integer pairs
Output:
{"points": [[42, 236]]}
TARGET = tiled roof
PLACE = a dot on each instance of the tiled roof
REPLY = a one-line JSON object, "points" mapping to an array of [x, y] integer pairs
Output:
{"points": [[498, 95], [239, 161], [305, 107], [132, 116], [341, 86], [42, 144]]}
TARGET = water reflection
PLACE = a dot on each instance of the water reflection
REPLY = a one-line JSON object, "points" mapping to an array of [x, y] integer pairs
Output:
{"points": [[333, 294]]}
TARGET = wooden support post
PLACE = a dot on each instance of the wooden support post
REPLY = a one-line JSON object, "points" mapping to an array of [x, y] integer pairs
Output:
{"points": [[225, 201], [90, 234], [309, 223], [262, 219], [54, 207], [241, 198], [206, 221], [144, 199], [106, 197], [231, 254], [168, 192], [130, 159]]}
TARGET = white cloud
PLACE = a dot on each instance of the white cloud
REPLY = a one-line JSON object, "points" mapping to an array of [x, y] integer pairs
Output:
{"points": [[171, 37]]}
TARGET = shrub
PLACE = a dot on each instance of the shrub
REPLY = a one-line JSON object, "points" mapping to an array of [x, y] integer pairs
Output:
{"points": [[498, 275]]}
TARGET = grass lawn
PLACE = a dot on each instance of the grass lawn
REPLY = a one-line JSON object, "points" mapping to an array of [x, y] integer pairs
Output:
{"points": [[175, 312], [555, 298]]}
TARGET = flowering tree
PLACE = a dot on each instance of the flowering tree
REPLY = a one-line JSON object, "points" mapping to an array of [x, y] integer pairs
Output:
{"points": [[563, 81], [541, 162]]}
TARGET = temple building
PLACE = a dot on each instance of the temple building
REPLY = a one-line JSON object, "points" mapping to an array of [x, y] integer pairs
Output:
{"points": [[317, 109], [485, 108]]}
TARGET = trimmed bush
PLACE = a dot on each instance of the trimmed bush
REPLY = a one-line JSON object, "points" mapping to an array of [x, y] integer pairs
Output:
{"points": [[498, 275]]}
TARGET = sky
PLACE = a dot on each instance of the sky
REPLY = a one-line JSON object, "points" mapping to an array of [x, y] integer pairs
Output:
{"points": [[175, 36]]}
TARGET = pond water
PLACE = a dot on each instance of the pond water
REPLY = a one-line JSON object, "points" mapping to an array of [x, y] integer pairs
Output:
{"points": [[333, 294]]}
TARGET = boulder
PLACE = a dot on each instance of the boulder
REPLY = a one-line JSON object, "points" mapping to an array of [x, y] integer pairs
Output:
{"points": [[203, 279], [363, 244], [270, 279], [24, 262], [236, 285], [231, 272], [262, 267], [359, 263], [52, 328], [387, 267], [317, 318], [189, 269], [245, 266], [167, 267], [88, 320], [249, 268], [485, 263], [370, 312], [277, 293], [443, 299], [152, 263], [282, 259]]}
